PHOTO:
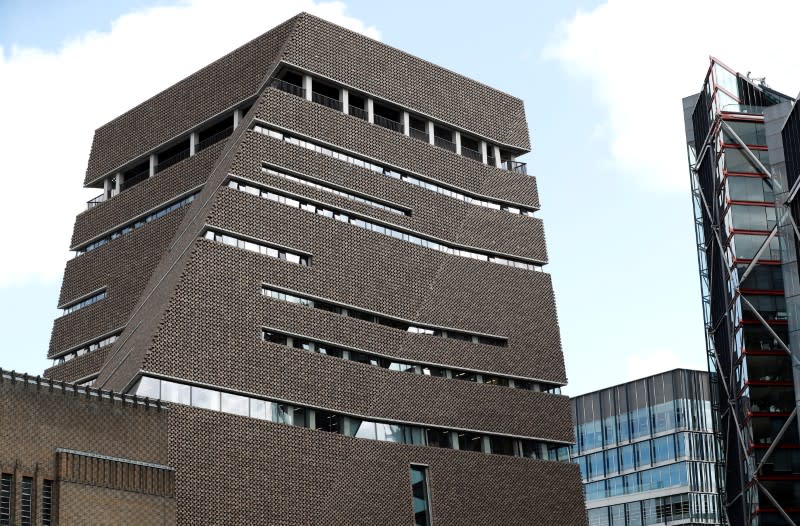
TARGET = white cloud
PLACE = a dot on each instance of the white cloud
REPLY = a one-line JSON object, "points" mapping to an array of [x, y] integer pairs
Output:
{"points": [[649, 362], [51, 103], [642, 58]]}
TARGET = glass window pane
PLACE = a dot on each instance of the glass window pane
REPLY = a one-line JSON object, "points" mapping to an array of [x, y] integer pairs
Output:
{"points": [[205, 398], [172, 392], [149, 387], [236, 404], [258, 408]]}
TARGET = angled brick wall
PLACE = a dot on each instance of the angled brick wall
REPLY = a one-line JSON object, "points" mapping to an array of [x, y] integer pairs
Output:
{"points": [[123, 266], [189, 102]]}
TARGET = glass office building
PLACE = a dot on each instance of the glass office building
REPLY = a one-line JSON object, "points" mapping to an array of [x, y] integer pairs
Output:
{"points": [[647, 451], [748, 273]]}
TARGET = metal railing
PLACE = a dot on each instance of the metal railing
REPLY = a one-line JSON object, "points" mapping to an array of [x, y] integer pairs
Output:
{"points": [[491, 161], [330, 102], [212, 139], [516, 167], [418, 134], [93, 202], [135, 179], [169, 161], [472, 154], [444, 143], [389, 123], [288, 87], [355, 111]]}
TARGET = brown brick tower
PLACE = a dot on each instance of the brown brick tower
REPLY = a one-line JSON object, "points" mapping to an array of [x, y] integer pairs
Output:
{"points": [[322, 253]]}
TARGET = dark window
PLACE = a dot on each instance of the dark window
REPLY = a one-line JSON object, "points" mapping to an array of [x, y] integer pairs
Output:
{"points": [[360, 315], [274, 337], [430, 370], [523, 384], [495, 380], [361, 357], [419, 489], [5, 499], [459, 336], [330, 422], [531, 449], [330, 351], [470, 441], [47, 502], [328, 307], [439, 438], [465, 375], [501, 445], [27, 501], [299, 343], [214, 133]]}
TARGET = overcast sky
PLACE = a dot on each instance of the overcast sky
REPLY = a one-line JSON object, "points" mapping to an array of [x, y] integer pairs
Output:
{"points": [[602, 85]]}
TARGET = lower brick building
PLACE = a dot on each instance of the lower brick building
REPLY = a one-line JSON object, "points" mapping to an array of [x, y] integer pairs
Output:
{"points": [[76, 455]]}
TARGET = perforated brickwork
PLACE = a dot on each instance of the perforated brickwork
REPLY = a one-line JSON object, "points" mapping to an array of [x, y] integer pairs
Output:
{"points": [[146, 196], [350, 133], [186, 104], [366, 64], [431, 213], [123, 266], [321, 478]]}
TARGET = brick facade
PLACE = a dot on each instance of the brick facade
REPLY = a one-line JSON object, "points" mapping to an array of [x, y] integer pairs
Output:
{"points": [[190, 310]]}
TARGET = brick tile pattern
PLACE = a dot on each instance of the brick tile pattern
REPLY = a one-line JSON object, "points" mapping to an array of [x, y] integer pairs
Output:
{"points": [[321, 478], [431, 213], [146, 196], [189, 102], [123, 266], [79, 367], [307, 118], [346, 56], [227, 351], [386, 72]]}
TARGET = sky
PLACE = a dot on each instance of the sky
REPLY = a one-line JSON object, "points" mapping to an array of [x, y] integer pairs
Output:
{"points": [[602, 84]]}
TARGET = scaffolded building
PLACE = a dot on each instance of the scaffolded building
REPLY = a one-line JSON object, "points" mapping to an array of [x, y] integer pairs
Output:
{"points": [[748, 274], [321, 256]]}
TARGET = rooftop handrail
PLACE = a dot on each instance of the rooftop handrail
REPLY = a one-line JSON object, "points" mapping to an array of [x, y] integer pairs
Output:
{"points": [[94, 201], [441, 142], [389, 123], [169, 161], [212, 139], [472, 154], [516, 167], [330, 102], [422, 135], [355, 111], [288, 87], [135, 179]]}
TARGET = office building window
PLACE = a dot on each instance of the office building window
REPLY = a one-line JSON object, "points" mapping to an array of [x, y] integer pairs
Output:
{"points": [[226, 239], [47, 502], [84, 303], [420, 492], [380, 319], [470, 441], [5, 499], [26, 507]]}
